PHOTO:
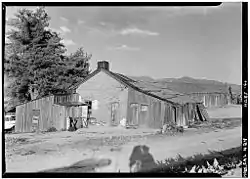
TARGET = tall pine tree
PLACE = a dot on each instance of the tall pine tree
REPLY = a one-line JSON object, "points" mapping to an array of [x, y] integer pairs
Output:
{"points": [[35, 58]]}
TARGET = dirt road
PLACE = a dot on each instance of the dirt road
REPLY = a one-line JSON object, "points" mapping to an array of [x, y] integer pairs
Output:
{"points": [[187, 145], [193, 141]]}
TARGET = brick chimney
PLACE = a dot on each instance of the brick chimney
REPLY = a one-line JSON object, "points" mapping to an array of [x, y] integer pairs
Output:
{"points": [[103, 65]]}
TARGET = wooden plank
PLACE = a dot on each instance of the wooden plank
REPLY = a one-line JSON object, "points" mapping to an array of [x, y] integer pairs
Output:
{"points": [[62, 118], [180, 117], [29, 116], [20, 128], [26, 118], [19, 118], [42, 107], [162, 108], [23, 118], [203, 111]]}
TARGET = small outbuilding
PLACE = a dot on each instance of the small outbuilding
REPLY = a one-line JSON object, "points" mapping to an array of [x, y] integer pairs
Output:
{"points": [[212, 99], [211, 95], [49, 111]]}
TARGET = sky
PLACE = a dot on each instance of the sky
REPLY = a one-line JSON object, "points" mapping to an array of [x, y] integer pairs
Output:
{"points": [[160, 42]]}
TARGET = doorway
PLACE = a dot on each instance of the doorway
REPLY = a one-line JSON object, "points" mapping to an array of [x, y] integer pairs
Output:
{"points": [[35, 119], [174, 113], [134, 114], [115, 113]]}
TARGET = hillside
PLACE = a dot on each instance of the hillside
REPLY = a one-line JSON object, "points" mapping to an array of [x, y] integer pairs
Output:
{"points": [[189, 85]]}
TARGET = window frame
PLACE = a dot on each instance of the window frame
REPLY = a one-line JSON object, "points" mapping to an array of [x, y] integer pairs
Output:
{"points": [[144, 105]]}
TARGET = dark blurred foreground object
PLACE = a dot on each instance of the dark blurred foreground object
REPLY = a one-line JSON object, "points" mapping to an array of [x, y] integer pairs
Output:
{"points": [[83, 166], [141, 160]]}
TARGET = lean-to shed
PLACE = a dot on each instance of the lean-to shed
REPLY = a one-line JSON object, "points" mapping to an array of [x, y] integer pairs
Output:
{"points": [[46, 112], [211, 95]]}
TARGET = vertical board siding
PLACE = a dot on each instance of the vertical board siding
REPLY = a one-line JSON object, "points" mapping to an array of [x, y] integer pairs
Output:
{"points": [[162, 105], [19, 113], [144, 116], [212, 99], [49, 115], [59, 117], [160, 112], [178, 116], [169, 114], [155, 116]]}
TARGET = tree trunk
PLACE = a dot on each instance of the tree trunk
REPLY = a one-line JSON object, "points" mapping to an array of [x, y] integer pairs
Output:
{"points": [[33, 92]]}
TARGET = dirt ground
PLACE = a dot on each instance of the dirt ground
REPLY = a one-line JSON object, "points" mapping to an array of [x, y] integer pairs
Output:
{"points": [[32, 152], [230, 111]]}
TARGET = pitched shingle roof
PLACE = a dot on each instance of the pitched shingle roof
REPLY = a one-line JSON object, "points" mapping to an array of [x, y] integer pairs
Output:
{"points": [[158, 90], [147, 87]]}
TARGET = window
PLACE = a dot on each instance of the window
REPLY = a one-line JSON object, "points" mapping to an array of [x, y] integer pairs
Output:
{"points": [[144, 108], [12, 118], [133, 105], [36, 115]]}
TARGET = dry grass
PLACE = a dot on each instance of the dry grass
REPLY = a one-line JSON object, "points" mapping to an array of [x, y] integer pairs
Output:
{"points": [[226, 123], [227, 158]]}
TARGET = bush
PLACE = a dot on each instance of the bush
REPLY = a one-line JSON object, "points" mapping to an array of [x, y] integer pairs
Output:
{"points": [[71, 129], [171, 128], [52, 129]]}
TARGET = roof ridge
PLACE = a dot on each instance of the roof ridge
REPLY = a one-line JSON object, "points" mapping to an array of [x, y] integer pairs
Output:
{"points": [[135, 84]]}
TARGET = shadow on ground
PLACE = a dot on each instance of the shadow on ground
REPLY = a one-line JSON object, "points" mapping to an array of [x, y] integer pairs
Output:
{"points": [[83, 166], [178, 164], [142, 161]]}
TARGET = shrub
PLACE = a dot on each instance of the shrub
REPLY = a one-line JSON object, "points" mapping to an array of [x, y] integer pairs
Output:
{"points": [[51, 129], [71, 129]]}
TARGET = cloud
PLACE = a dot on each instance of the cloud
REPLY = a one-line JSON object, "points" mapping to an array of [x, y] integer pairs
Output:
{"points": [[54, 30], [79, 21], [102, 23], [108, 30], [182, 10], [68, 42], [64, 19], [124, 47], [136, 31], [65, 29], [62, 31]]}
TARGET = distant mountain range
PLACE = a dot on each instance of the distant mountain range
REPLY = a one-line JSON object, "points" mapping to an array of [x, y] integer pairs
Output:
{"points": [[188, 85]]}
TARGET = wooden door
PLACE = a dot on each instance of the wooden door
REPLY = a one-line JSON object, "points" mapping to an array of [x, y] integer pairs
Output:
{"points": [[35, 119], [115, 113], [144, 115], [168, 117], [135, 114], [157, 115]]}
